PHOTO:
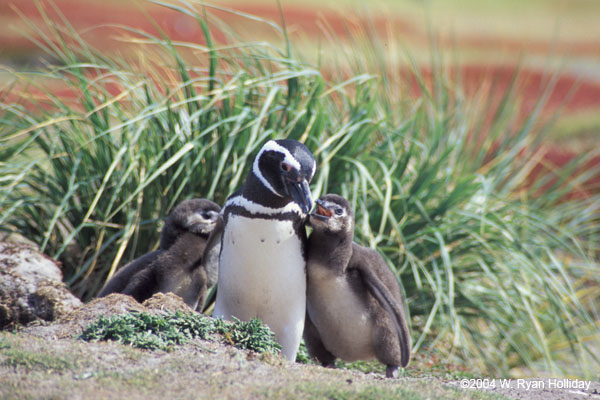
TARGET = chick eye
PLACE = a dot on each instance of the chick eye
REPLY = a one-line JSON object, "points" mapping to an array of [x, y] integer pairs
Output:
{"points": [[285, 167], [339, 211], [208, 214]]}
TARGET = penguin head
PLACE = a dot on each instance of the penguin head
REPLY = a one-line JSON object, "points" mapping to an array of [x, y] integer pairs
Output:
{"points": [[197, 216], [333, 216], [285, 167]]}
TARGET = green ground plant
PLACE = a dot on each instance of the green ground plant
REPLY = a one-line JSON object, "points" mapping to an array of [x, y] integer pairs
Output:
{"points": [[496, 272], [163, 331]]}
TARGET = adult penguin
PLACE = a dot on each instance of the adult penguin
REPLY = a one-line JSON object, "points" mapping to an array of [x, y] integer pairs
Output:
{"points": [[261, 231]]}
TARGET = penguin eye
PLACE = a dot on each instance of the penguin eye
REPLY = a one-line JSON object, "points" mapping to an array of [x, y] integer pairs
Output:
{"points": [[207, 214], [285, 167], [339, 211]]}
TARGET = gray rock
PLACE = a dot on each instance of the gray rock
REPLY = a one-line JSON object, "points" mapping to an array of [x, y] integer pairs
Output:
{"points": [[31, 286]]}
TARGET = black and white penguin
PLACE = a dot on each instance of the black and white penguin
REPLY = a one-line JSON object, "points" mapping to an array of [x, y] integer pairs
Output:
{"points": [[262, 261], [354, 305], [178, 265]]}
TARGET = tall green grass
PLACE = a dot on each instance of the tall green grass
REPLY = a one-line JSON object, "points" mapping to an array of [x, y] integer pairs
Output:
{"points": [[495, 273]]}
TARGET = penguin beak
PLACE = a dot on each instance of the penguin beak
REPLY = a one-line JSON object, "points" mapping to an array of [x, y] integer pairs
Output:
{"points": [[322, 209], [322, 212], [297, 188]]}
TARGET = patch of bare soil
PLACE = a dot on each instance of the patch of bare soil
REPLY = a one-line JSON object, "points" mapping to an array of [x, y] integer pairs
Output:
{"points": [[47, 361], [34, 366]]}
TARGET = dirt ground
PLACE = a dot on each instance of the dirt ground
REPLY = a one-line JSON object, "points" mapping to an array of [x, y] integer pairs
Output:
{"points": [[46, 361], [33, 365]]}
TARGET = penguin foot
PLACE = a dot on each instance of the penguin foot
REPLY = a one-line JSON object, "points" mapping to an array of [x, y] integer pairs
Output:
{"points": [[330, 364], [391, 371]]}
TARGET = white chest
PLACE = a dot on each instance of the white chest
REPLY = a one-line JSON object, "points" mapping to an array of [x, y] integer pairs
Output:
{"points": [[262, 274], [261, 253]]}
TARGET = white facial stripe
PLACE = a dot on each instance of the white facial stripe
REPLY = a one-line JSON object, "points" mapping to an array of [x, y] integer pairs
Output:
{"points": [[312, 174], [196, 224], [260, 176], [330, 205], [194, 219], [271, 145], [255, 208]]}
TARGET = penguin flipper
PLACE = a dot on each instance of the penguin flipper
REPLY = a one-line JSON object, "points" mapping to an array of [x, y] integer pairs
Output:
{"points": [[387, 300], [124, 275], [212, 251], [143, 284]]}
